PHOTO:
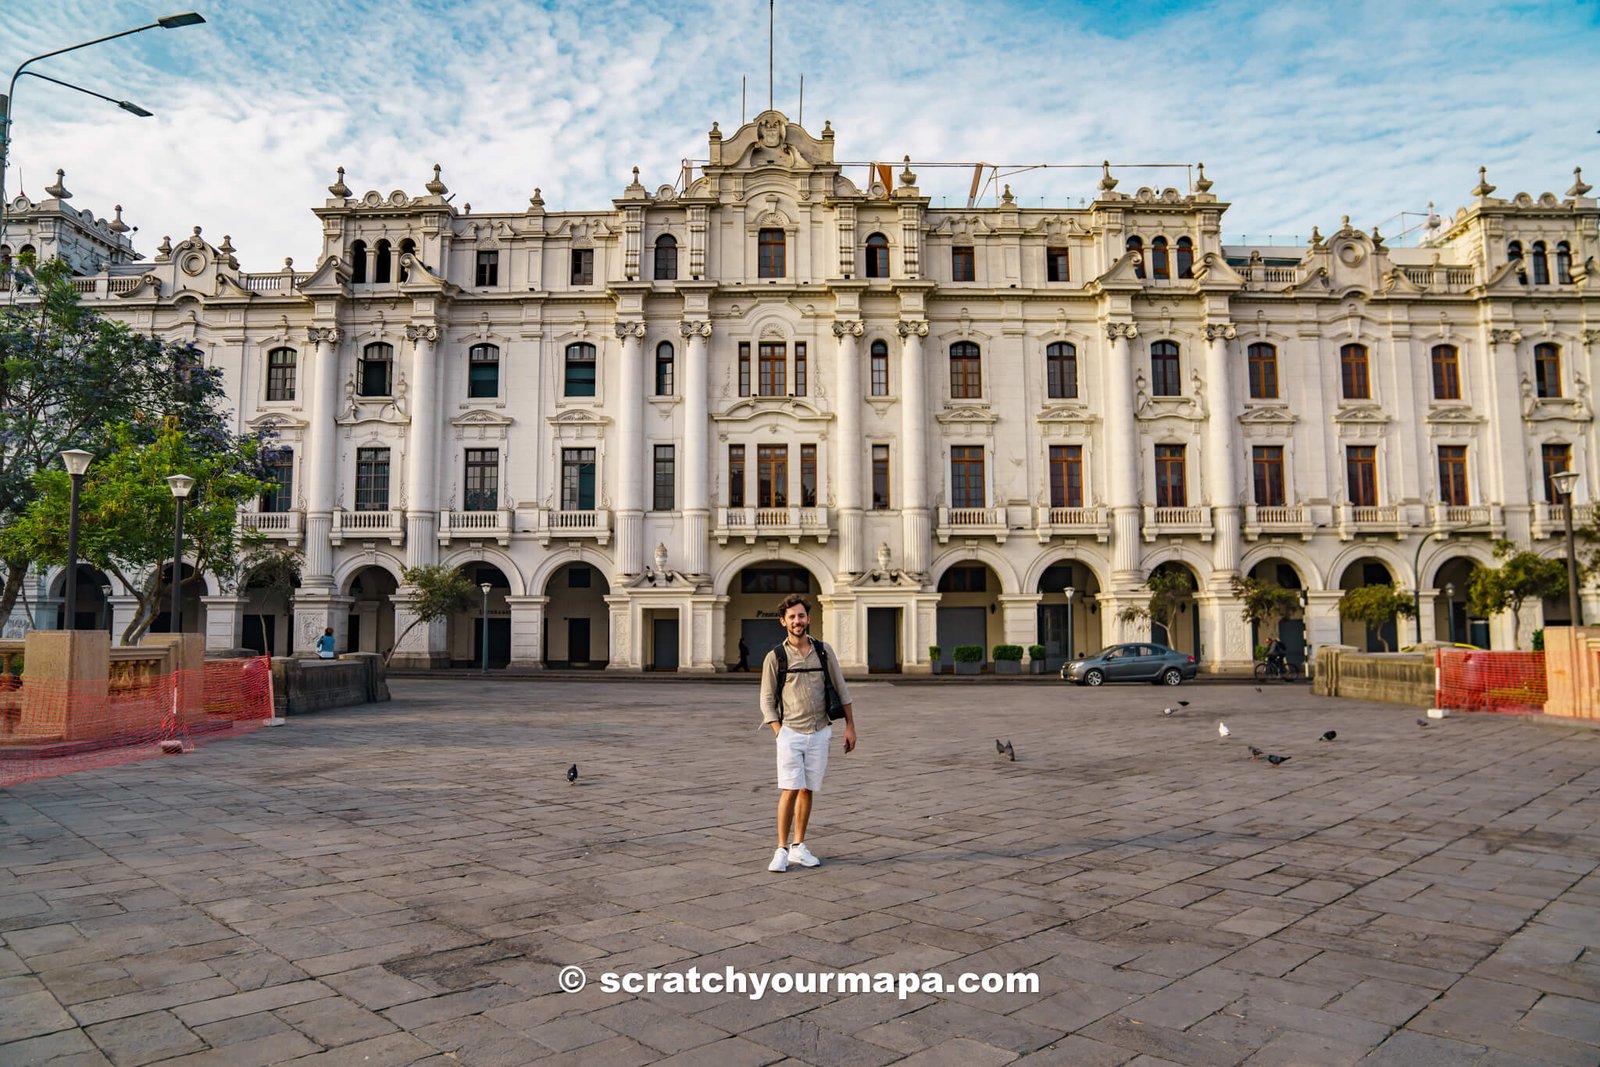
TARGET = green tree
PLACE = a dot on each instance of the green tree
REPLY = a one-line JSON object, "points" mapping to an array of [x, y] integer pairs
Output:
{"points": [[127, 513], [270, 568], [1376, 606], [1522, 575], [438, 592], [68, 377], [1170, 589], [1264, 604]]}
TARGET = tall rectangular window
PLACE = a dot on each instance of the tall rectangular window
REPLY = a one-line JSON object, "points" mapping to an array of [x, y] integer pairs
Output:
{"points": [[583, 266], [375, 370], [1263, 372], [483, 371], [1061, 371], [1361, 475], [880, 369], [963, 264], [666, 479], [577, 479], [488, 268], [664, 368], [736, 476], [279, 492], [770, 249], [372, 479], [773, 372], [744, 368], [483, 480], [1547, 371], [1266, 463], [1172, 487], [1446, 373], [1165, 374], [966, 371], [580, 370], [799, 368], [808, 476], [772, 476], [1453, 475], [280, 373], [966, 476], [1066, 476], [1055, 265], [1354, 381], [880, 477], [1555, 459]]}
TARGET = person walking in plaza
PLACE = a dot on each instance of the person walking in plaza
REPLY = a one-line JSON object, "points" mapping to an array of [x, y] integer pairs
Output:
{"points": [[802, 692], [744, 657]]}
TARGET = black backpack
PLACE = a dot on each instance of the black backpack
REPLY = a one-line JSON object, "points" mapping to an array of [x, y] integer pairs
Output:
{"points": [[830, 696]]}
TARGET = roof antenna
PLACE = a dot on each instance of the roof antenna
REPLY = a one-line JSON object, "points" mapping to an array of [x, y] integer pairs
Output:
{"points": [[772, 15], [801, 120], [742, 82]]}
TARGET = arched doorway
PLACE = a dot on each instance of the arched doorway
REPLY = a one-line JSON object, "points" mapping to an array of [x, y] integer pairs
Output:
{"points": [[1364, 572], [269, 609], [469, 631], [94, 604], [372, 614], [754, 594], [576, 630], [194, 587], [1069, 612], [1452, 618], [969, 610], [1179, 629], [1290, 628]]}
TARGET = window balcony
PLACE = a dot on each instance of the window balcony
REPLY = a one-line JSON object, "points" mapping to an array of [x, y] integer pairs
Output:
{"points": [[1276, 519], [1383, 518], [1479, 517], [1071, 522], [752, 523], [971, 522], [275, 525], [387, 525], [1177, 522], [475, 526], [594, 525], [1549, 520]]}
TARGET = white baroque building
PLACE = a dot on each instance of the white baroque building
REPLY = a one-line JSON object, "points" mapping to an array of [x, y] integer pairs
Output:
{"points": [[640, 425]]}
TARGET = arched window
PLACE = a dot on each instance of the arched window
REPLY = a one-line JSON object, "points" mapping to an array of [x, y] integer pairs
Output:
{"points": [[280, 374], [1061, 371], [483, 371], [1354, 381], [5, 257], [1263, 359], [1159, 266], [1563, 264], [1164, 377], [1514, 254], [664, 355], [580, 370], [408, 247], [1547, 370], [1541, 265], [375, 370], [27, 250], [880, 368], [877, 264], [666, 258], [380, 273], [1185, 258], [966, 371], [1446, 373], [358, 263], [770, 256], [1136, 244]]}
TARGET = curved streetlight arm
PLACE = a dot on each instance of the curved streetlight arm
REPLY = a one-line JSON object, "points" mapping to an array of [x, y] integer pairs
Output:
{"points": [[123, 104]]}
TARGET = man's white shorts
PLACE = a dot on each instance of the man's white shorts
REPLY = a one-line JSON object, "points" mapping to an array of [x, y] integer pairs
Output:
{"points": [[802, 758]]}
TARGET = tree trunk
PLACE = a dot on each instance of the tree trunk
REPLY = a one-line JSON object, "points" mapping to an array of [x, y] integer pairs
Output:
{"points": [[402, 636], [16, 574]]}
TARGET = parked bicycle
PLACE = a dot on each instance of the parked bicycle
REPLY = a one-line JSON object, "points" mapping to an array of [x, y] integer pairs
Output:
{"points": [[1269, 670]]}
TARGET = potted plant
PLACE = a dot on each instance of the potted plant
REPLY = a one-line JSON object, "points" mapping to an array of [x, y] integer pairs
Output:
{"points": [[935, 659], [969, 658], [1008, 659], [1035, 659]]}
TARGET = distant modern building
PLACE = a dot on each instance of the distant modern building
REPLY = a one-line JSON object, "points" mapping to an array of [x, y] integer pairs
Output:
{"points": [[642, 424]]}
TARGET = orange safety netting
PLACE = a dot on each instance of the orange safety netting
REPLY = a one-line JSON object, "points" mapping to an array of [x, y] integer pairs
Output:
{"points": [[55, 727], [1490, 681]]}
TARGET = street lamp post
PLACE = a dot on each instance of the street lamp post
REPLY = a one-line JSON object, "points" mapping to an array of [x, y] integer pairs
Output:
{"points": [[77, 462], [1069, 591], [180, 484], [485, 586], [105, 592], [1565, 483], [166, 22], [1450, 608], [1416, 589]]}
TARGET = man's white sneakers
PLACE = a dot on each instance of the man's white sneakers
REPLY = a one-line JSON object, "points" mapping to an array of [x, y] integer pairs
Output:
{"points": [[780, 861], [798, 853]]}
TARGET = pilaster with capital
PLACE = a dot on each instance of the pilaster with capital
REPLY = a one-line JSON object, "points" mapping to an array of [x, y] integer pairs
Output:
{"points": [[914, 518], [422, 448], [847, 446], [696, 446], [630, 449], [1506, 432], [1222, 462], [322, 456], [1122, 441]]}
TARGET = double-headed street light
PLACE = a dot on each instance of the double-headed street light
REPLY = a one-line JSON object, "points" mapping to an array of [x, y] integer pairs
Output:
{"points": [[1565, 483], [77, 463], [180, 484]]}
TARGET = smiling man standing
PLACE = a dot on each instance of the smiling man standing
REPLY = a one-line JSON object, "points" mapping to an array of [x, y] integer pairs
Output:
{"points": [[802, 692]]}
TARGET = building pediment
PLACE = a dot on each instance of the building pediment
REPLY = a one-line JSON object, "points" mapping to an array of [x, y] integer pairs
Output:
{"points": [[770, 139], [1369, 415], [965, 415], [275, 422], [752, 408], [1276, 415], [1065, 414], [1452, 415]]}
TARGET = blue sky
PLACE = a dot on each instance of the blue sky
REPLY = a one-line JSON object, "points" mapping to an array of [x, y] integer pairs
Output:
{"points": [[1302, 112]]}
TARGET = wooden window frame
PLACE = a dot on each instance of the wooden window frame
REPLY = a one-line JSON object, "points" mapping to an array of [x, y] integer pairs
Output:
{"points": [[1550, 455], [736, 476], [966, 371], [808, 475], [1355, 372], [278, 474], [1547, 371], [882, 475], [375, 353], [582, 266], [573, 462], [772, 367], [1057, 265], [1172, 476], [1454, 490], [1445, 363], [1361, 475], [1066, 476], [1266, 475], [772, 253], [488, 268], [963, 263], [666, 258], [744, 368], [875, 256], [1166, 369], [1160, 261], [481, 479], [666, 368], [664, 478], [1262, 364], [878, 363], [772, 474], [281, 374], [967, 477], [372, 479], [1061, 370]]}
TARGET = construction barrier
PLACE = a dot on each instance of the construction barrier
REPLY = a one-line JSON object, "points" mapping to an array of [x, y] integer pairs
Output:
{"points": [[1490, 681], [50, 727]]}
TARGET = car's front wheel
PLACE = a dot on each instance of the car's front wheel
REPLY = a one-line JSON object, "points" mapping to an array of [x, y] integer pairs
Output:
{"points": [[1171, 676], [1093, 678]]}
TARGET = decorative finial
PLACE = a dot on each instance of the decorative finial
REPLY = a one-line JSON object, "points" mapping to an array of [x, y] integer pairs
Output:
{"points": [[226, 247], [117, 225], [1107, 182], [1202, 184], [1006, 197], [1483, 188], [288, 264], [466, 209], [716, 132], [197, 231], [165, 247], [59, 189], [339, 188], [1434, 221], [436, 187], [827, 128], [906, 177], [1579, 186], [1316, 237], [1377, 238], [636, 175], [536, 201]]}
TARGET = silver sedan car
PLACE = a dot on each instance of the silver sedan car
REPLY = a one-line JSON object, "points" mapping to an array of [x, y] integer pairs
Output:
{"points": [[1143, 661]]}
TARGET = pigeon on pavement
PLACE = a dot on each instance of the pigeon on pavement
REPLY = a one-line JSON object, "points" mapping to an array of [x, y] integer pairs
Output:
{"points": [[1011, 753], [1183, 703], [572, 774], [998, 747], [1422, 723], [1330, 735], [1166, 711], [1275, 760], [1255, 753], [1222, 729]]}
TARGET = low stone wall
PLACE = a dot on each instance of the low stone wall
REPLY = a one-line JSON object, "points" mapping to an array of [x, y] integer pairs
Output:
{"points": [[305, 685], [1393, 677], [1572, 671]]}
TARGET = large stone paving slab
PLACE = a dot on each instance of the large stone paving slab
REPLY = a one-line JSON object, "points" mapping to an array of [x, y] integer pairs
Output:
{"points": [[402, 884]]}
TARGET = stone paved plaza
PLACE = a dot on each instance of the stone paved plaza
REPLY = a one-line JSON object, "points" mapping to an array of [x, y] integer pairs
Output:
{"points": [[401, 883]]}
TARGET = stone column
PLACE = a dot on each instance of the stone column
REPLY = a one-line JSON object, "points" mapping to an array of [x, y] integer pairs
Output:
{"points": [[527, 631], [1019, 618], [847, 444], [322, 451], [314, 611], [914, 419], [1222, 469], [1505, 410], [1122, 447], [630, 450], [424, 644], [422, 449], [1323, 625], [696, 447], [224, 621], [123, 609]]}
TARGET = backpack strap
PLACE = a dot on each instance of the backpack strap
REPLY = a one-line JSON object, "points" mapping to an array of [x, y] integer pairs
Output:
{"points": [[783, 675]]}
